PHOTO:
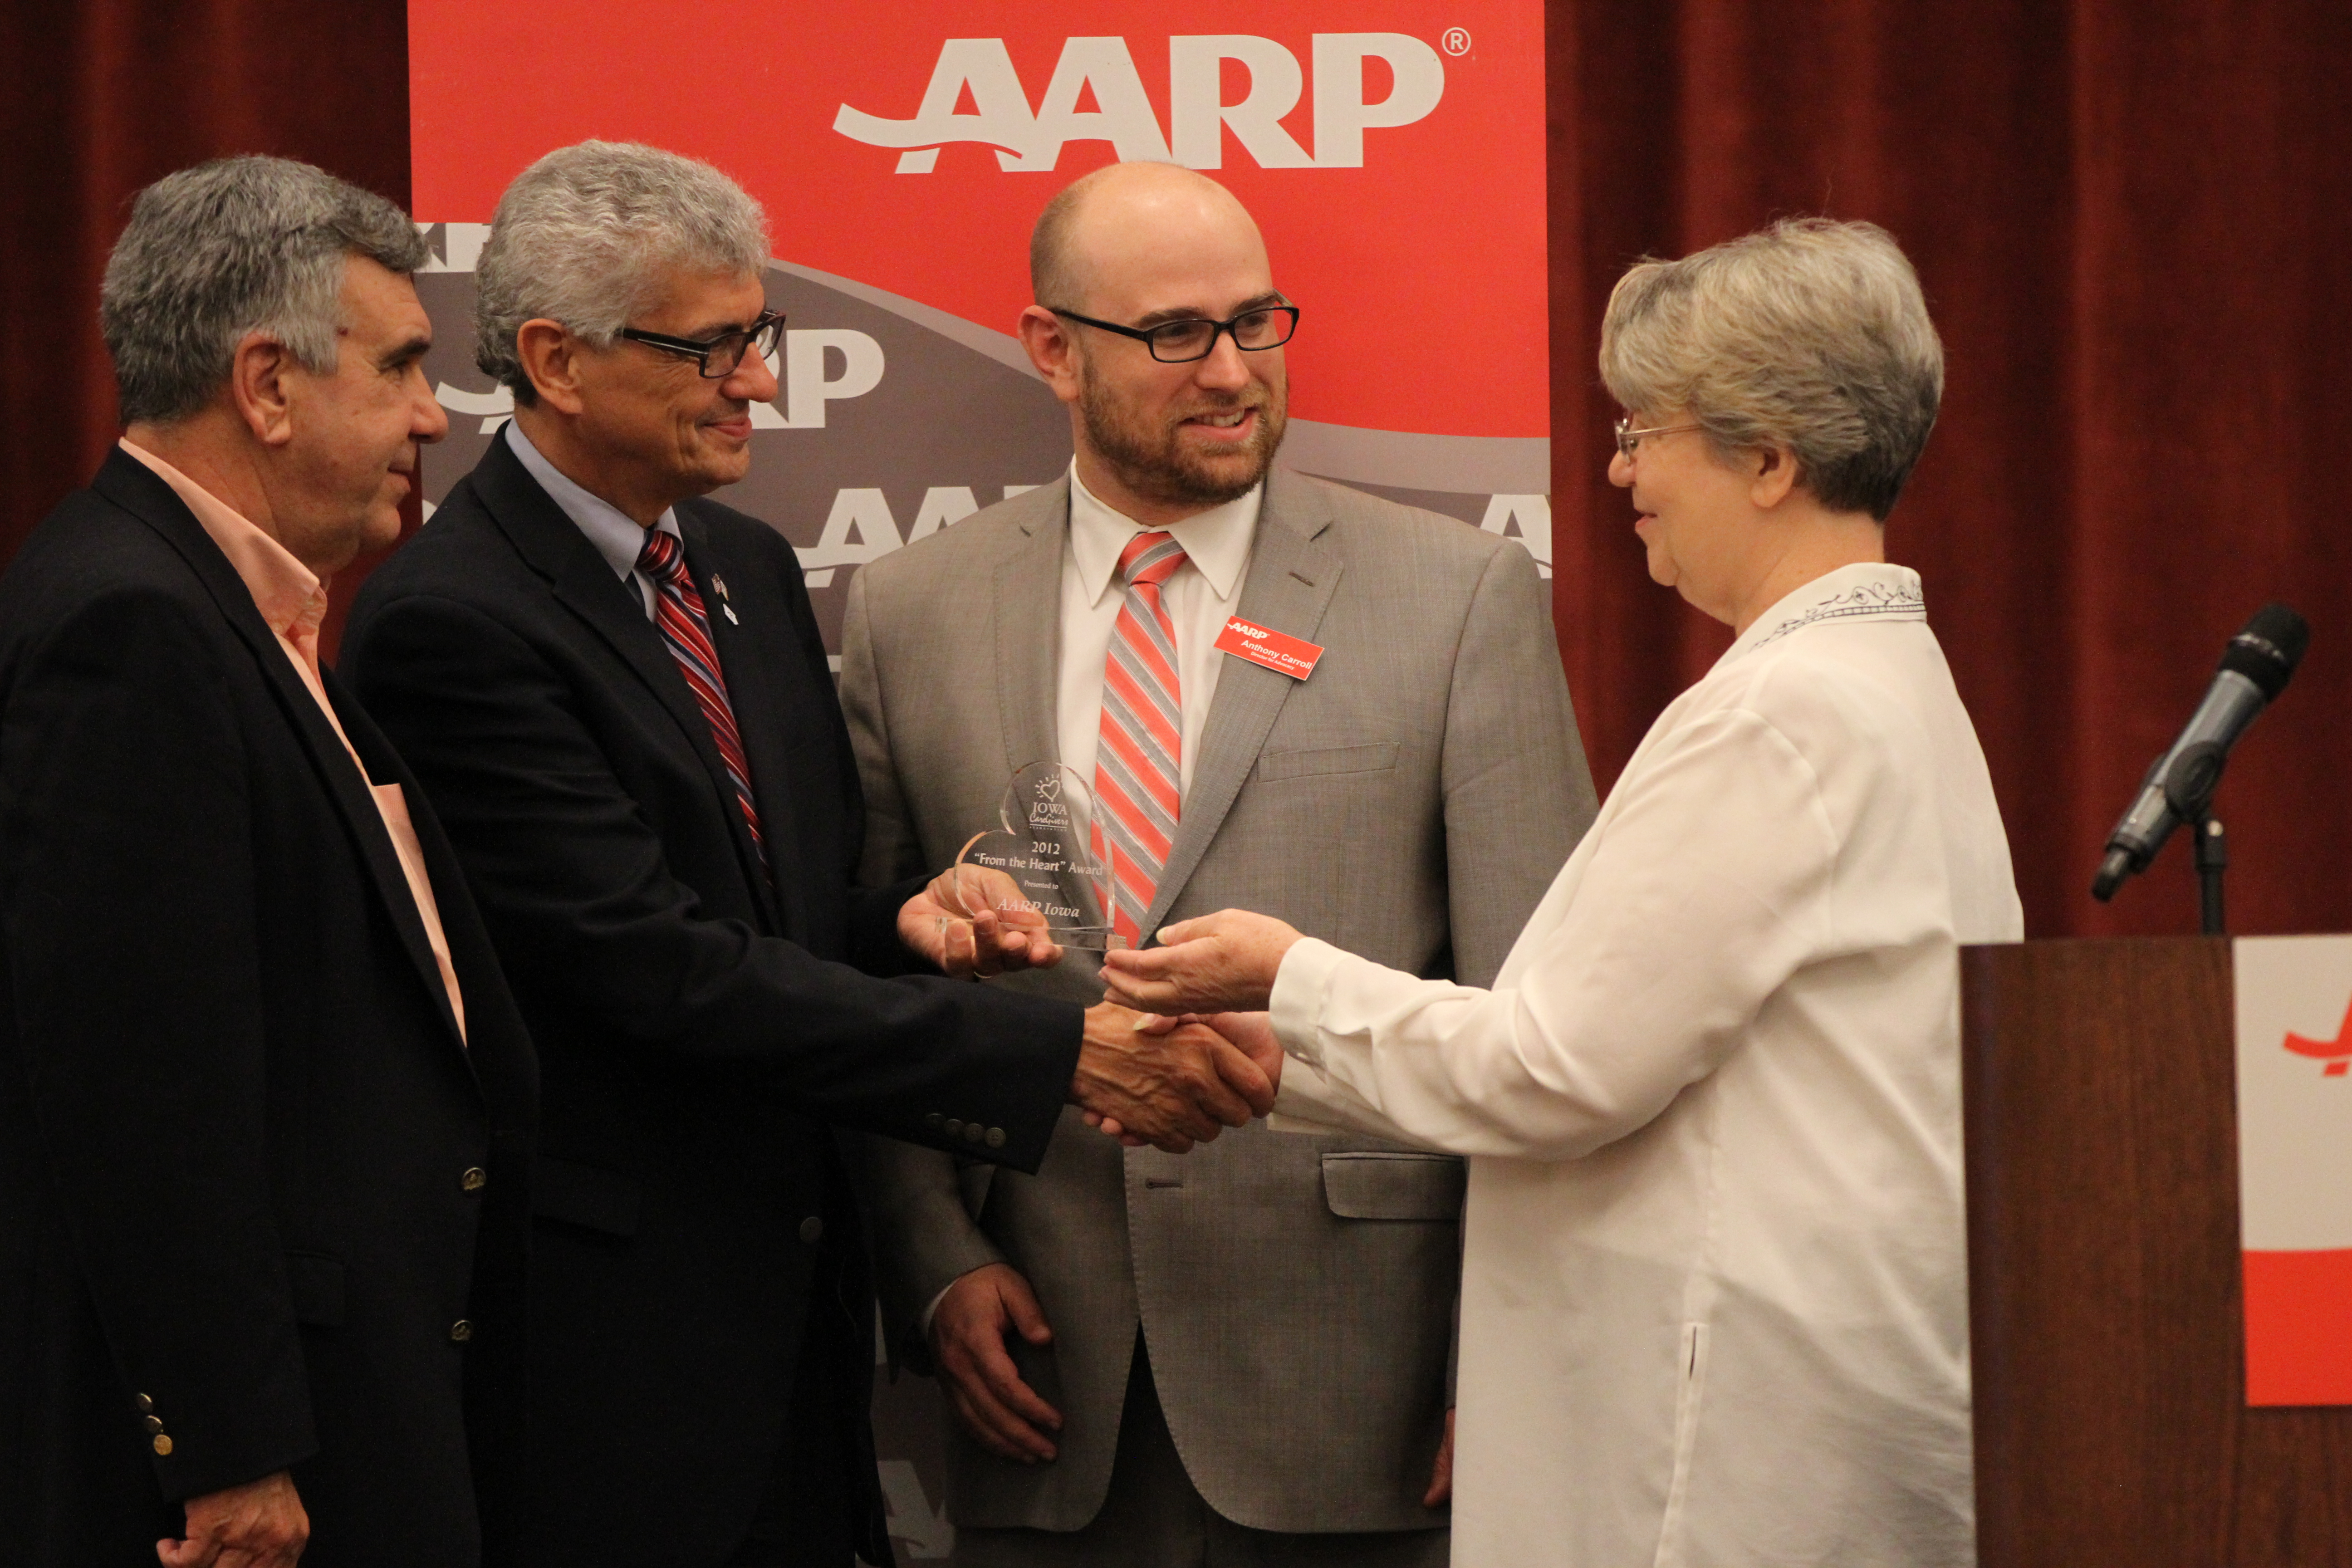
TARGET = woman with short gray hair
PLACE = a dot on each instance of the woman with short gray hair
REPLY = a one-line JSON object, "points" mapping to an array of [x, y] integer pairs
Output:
{"points": [[1714, 1304], [1810, 335]]}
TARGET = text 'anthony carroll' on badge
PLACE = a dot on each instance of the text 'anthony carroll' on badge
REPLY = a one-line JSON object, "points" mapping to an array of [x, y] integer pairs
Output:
{"points": [[1293, 656]]}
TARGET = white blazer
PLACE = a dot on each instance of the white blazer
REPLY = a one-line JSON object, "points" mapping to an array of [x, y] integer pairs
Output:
{"points": [[1715, 1290]]}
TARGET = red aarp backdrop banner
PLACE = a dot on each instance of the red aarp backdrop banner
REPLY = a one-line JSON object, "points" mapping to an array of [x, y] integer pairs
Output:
{"points": [[1392, 154]]}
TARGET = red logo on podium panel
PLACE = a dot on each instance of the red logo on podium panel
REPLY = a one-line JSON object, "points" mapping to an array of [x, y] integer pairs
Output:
{"points": [[2295, 1165], [2336, 1053]]}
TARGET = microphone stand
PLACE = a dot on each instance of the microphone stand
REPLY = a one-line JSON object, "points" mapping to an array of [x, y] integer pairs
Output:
{"points": [[2211, 854], [2188, 785]]}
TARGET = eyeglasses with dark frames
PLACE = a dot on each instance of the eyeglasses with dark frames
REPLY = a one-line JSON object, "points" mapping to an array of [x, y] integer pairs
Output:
{"points": [[1628, 437], [717, 358], [1254, 331]]}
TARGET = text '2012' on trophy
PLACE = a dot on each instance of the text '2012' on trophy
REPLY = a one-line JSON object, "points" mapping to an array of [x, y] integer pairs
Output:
{"points": [[1049, 845]]}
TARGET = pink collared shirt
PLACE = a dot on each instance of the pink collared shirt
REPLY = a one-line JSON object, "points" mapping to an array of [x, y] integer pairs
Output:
{"points": [[293, 601]]}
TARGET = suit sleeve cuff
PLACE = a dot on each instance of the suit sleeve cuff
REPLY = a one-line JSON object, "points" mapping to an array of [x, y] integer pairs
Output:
{"points": [[1026, 1094]]}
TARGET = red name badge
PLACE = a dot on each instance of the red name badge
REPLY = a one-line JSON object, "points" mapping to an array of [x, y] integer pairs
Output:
{"points": [[1293, 656]]}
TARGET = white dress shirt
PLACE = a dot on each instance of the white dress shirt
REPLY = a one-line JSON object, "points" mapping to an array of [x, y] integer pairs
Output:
{"points": [[1714, 1288], [619, 537], [1200, 598]]}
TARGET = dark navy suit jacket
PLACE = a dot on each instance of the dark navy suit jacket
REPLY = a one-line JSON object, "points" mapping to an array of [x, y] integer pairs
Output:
{"points": [[260, 1207], [701, 1313]]}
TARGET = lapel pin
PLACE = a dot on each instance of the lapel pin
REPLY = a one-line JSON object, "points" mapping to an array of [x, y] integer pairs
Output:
{"points": [[729, 610], [720, 584]]}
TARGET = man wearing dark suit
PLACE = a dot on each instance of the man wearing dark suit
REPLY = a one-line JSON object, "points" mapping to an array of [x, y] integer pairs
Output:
{"points": [[265, 1102], [616, 697]]}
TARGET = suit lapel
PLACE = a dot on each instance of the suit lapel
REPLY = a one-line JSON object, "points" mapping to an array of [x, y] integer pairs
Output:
{"points": [[383, 766], [1027, 604], [1292, 573], [142, 492], [585, 584]]}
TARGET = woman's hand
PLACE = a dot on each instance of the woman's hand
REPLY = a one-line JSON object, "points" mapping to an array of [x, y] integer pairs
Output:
{"points": [[1224, 962]]}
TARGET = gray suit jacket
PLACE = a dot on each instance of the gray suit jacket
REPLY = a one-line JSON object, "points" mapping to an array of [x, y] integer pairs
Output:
{"points": [[1411, 801]]}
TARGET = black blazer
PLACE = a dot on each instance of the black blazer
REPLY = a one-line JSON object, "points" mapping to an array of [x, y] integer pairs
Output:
{"points": [[702, 1026], [240, 1139]]}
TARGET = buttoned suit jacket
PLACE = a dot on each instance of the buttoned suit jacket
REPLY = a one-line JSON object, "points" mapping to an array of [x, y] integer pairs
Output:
{"points": [[1410, 800], [703, 1023], [236, 1117]]}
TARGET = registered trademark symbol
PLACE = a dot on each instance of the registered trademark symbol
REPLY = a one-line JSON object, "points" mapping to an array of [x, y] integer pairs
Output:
{"points": [[1457, 41]]}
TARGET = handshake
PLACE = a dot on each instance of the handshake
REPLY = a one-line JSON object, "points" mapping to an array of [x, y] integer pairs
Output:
{"points": [[1189, 1053], [1143, 1077]]}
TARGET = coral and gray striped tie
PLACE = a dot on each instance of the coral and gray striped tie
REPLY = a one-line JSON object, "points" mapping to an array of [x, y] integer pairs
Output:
{"points": [[1138, 786], [678, 610]]}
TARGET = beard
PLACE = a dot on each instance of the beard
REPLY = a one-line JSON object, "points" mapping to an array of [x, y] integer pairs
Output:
{"points": [[1150, 456]]}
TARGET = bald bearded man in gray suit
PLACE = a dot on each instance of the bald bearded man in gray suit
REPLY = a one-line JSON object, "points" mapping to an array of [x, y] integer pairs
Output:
{"points": [[1240, 1354]]}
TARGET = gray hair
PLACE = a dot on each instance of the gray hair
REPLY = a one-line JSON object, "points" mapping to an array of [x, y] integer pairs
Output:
{"points": [[1810, 335], [230, 247], [587, 236]]}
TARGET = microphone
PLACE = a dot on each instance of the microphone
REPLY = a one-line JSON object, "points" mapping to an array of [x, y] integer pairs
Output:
{"points": [[2255, 668]]}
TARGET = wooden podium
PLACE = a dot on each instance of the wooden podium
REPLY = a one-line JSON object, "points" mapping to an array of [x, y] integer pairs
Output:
{"points": [[2101, 1127]]}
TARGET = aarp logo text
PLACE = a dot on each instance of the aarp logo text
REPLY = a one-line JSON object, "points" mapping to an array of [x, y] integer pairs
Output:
{"points": [[1031, 141]]}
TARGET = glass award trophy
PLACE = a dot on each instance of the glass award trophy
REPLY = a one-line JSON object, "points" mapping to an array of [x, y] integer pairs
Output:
{"points": [[1046, 843]]}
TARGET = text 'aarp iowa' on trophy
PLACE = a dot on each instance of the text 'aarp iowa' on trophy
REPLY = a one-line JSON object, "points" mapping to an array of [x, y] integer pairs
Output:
{"points": [[1049, 845]]}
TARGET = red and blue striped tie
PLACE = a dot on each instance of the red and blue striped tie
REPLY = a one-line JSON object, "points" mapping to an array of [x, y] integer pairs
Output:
{"points": [[1139, 784], [678, 610]]}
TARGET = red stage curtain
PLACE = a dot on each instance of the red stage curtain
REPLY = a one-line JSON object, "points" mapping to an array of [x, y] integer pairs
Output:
{"points": [[2131, 216], [102, 97], [2134, 223]]}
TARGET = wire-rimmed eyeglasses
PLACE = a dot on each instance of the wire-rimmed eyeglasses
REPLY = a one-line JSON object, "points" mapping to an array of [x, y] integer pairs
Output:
{"points": [[1182, 342], [1628, 437], [715, 358]]}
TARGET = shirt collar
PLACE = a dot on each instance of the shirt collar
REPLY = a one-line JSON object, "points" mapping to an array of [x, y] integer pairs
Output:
{"points": [[615, 534], [1216, 541], [289, 596], [1875, 590]]}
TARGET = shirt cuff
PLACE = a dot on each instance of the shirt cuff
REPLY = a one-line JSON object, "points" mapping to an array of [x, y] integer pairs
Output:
{"points": [[1300, 987], [1303, 1103], [924, 1326]]}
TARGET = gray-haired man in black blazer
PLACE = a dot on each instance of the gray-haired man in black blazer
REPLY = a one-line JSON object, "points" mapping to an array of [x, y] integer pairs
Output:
{"points": [[265, 1102]]}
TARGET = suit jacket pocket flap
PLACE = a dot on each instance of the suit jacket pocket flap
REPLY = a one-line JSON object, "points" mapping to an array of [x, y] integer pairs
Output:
{"points": [[584, 1195], [1376, 757], [318, 1283], [1377, 1185]]}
